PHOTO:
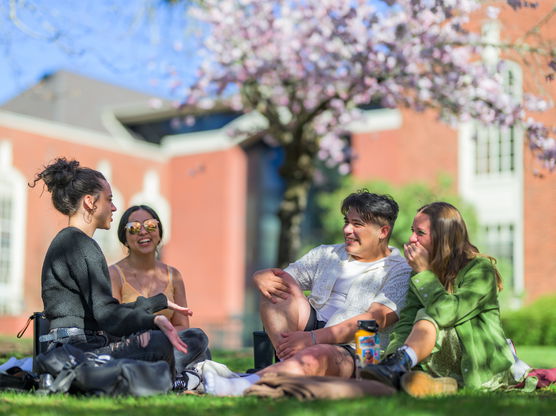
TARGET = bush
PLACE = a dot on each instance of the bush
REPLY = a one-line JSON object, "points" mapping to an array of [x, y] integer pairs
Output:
{"points": [[534, 324]]}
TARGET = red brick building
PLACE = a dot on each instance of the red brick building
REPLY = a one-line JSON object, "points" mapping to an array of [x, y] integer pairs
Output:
{"points": [[216, 196]]}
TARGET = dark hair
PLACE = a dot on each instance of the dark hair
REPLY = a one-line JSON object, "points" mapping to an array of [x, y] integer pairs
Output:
{"points": [[68, 183], [125, 219], [373, 208], [451, 248]]}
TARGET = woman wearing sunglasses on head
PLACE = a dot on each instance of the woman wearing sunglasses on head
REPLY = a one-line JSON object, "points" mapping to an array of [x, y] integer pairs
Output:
{"points": [[140, 273], [76, 288]]}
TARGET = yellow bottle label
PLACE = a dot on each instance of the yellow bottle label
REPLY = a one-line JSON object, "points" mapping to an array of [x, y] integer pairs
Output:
{"points": [[367, 347]]}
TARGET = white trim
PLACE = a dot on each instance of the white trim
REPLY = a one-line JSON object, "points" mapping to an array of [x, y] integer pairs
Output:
{"points": [[222, 139], [18, 184], [114, 126], [519, 247], [497, 198], [465, 160], [376, 120], [213, 140], [179, 144], [108, 239], [90, 138]]}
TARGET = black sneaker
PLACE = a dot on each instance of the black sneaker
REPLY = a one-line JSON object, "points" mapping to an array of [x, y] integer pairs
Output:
{"points": [[390, 370]]}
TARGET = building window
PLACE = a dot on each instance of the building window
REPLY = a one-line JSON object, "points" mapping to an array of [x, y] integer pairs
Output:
{"points": [[5, 249], [12, 231], [495, 147], [498, 241], [494, 150]]}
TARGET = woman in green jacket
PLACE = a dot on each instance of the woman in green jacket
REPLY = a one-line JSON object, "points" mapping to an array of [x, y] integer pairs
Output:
{"points": [[450, 324]]}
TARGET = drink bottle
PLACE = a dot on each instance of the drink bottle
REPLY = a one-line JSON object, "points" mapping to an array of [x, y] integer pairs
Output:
{"points": [[367, 343]]}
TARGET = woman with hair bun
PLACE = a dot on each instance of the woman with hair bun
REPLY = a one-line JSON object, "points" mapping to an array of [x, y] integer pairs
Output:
{"points": [[76, 288]]}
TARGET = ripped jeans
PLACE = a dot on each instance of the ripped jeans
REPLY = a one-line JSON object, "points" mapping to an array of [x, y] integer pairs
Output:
{"points": [[147, 346]]}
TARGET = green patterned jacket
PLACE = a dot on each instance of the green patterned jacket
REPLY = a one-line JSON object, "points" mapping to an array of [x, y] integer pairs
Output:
{"points": [[472, 310]]}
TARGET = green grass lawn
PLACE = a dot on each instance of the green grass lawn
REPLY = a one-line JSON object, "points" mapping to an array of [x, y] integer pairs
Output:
{"points": [[538, 356], [464, 403]]}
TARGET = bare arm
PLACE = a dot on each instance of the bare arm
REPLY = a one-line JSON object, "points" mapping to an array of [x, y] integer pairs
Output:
{"points": [[179, 320], [344, 332], [116, 283], [341, 333]]}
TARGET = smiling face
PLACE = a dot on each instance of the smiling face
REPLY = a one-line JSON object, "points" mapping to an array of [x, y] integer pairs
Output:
{"points": [[421, 231], [364, 241], [104, 207], [144, 241]]}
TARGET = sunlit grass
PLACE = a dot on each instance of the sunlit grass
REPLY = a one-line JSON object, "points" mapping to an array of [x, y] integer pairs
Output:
{"points": [[538, 356], [464, 403]]}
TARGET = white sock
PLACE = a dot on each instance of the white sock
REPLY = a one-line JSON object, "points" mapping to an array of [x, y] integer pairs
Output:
{"points": [[411, 353], [222, 386]]}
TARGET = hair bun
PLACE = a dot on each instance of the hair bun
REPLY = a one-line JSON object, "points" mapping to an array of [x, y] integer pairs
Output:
{"points": [[60, 173]]}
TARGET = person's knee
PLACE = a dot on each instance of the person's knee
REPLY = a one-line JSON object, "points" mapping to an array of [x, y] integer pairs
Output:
{"points": [[311, 359], [278, 303], [160, 343], [426, 326]]}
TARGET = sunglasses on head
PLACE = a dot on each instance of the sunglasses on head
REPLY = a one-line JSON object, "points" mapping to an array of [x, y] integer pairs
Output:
{"points": [[134, 227]]}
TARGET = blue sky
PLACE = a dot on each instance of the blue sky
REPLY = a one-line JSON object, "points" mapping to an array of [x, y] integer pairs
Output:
{"points": [[141, 44]]}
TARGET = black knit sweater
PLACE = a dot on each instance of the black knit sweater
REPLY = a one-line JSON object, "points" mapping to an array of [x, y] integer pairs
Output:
{"points": [[76, 289]]}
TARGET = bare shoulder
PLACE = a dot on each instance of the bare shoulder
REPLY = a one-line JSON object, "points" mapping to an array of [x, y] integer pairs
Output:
{"points": [[175, 273], [113, 269]]}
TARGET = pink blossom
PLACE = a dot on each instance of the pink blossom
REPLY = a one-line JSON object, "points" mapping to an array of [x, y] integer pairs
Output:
{"points": [[319, 59]]}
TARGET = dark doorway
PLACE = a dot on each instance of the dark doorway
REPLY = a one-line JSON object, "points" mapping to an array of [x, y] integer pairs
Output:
{"points": [[265, 189]]}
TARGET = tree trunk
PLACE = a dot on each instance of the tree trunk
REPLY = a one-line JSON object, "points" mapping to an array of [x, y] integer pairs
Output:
{"points": [[297, 172]]}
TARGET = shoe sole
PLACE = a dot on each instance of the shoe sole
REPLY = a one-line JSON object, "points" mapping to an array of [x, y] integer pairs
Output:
{"points": [[420, 384], [369, 375]]}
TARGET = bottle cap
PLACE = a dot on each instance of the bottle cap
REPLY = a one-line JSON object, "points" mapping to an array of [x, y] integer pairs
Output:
{"points": [[368, 325]]}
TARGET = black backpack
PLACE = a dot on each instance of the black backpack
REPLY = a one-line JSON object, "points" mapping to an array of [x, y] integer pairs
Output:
{"points": [[72, 370]]}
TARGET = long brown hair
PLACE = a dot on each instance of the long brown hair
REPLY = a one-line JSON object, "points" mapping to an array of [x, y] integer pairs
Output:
{"points": [[451, 248]]}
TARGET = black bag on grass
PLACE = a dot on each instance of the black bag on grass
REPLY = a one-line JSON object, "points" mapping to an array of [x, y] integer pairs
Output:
{"points": [[55, 360], [76, 371], [120, 377], [17, 379]]}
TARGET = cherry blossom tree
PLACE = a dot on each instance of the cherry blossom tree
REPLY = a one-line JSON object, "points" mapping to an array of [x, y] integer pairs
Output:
{"points": [[306, 66]]}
